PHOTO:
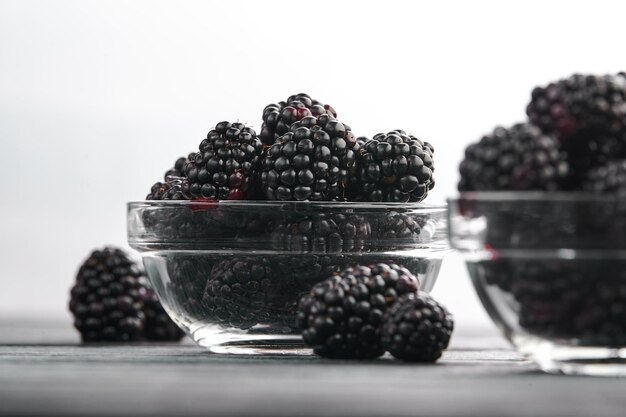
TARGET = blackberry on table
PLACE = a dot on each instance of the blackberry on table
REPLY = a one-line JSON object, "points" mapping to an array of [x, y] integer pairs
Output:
{"points": [[226, 164], [158, 327], [108, 298], [341, 316], [394, 167], [322, 233], [417, 328], [518, 158], [312, 161], [278, 118]]}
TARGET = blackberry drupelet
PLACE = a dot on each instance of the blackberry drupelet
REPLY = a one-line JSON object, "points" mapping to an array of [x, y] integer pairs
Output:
{"points": [[394, 167], [278, 118], [341, 317], [158, 327], [107, 298], [226, 164], [519, 158], [322, 233], [312, 161], [609, 178], [417, 328]]}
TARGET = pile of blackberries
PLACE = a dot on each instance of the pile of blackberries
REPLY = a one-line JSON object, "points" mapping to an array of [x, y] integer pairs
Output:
{"points": [[573, 141], [303, 153]]}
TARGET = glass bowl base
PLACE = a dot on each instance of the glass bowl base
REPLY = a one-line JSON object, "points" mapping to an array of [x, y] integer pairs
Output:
{"points": [[265, 347], [246, 343], [574, 360]]}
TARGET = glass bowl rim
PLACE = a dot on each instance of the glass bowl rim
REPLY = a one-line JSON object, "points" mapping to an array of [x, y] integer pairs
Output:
{"points": [[551, 196], [296, 204]]}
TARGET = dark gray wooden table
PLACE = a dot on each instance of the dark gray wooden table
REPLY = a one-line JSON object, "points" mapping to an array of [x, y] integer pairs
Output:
{"points": [[44, 370]]}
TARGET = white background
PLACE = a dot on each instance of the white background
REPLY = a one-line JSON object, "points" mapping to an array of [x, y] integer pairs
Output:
{"points": [[97, 100]]}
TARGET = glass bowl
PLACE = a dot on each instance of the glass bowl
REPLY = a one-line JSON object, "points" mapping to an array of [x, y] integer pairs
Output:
{"points": [[550, 269], [231, 273]]}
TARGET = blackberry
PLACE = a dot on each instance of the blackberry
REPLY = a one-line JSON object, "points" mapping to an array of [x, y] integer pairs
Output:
{"points": [[322, 233], [394, 229], [159, 327], [188, 278], [179, 167], [586, 113], [174, 185], [174, 188], [394, 167], [312, 161], [579, 103], [601, 316], [109, 298], [278, 118], [417, 328], [236, 292], [519, 158], [245, 291], [609, 178], [341, 317], [225, 166]]}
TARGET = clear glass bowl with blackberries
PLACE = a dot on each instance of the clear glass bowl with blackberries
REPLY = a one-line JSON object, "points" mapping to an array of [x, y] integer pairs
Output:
{"points": [[550, 269], [231, 273]]}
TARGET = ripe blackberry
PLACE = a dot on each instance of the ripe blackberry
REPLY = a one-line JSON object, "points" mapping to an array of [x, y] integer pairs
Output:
{"points": [[322, 233], [394, 167], [519, 158], [312, 161], [225, 166], [236, 291], [179, 167], [278, 118], [174, 185], [174, 188], [188, 277], [341, 317], [395, 229], [245, 291], [609, 178], [417, 328], [600, 319], [586, 113], [108, 300], [159, 327], [579, 103]]}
